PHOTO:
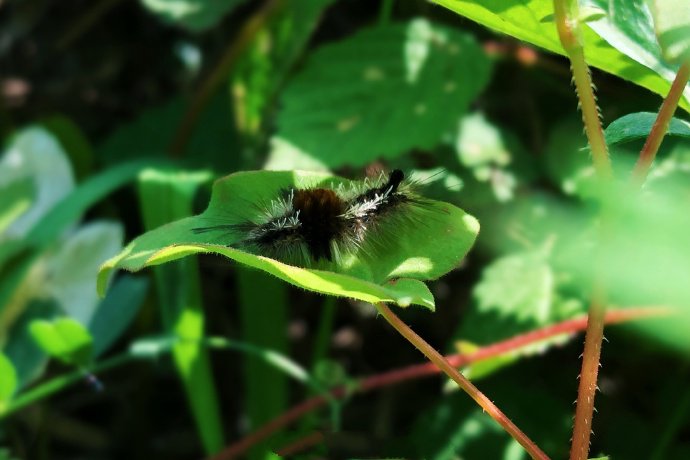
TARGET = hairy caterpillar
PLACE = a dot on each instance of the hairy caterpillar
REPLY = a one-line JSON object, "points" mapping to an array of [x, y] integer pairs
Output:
{"points": [[311, 226]]}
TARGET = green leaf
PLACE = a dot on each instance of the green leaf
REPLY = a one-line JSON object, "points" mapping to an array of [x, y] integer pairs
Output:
{"points": [[166, 195], [454, 427], [70, 269], [389, 273], [494, 160], [74, 142], [516, 293], [354, 98], [567, 159], [265, 387], [260, 73], [672, 26], [8, 381], [89, 192], [485, 367], [35, 155], [621, 43], [151, 134], [638, 125], [195, 15], [64, 339], [16, 198], [116, 312]]}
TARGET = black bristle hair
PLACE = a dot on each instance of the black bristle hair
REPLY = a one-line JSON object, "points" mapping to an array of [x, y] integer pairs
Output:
{"points": [[306, 226]]}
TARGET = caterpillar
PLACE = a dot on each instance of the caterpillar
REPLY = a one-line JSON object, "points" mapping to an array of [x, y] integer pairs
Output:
{"points": [[310, 226]]}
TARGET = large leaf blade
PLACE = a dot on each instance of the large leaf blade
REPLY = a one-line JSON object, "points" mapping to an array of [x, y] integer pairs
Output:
{"points": [[381, 275]]}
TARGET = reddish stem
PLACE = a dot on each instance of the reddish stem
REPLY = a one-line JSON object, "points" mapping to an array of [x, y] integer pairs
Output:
{"points": [[480, 398], [301, 444], [582, 429], [660, 127], [427, 369]]}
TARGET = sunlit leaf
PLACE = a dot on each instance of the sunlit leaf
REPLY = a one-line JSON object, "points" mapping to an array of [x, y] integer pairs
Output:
{"points": [[64, 339], [8, 382], [672, 26], [354, 98], [16, 198], [622, 42], [35, 155], [195, 15], [71, 269], [517, 292], [390, 273]]}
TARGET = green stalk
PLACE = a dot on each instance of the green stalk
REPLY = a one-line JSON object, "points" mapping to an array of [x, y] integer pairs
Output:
{"points": [[566, 14], [60, 383], [567, 23], [167, 196], [386, 12], [263, 303]]}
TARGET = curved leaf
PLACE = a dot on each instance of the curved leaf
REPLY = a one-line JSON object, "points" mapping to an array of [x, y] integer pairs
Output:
{"points": [[8, 382], [407, 250], [621, 42], [638, 125], [64, 339], [354, 98], [672, 27]]}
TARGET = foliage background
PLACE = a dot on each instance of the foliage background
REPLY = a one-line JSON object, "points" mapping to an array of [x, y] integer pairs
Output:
{"points": [[101, 144]]}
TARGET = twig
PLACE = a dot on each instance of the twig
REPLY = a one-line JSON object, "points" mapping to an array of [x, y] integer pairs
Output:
{"points": [[427, 369], [663, 119], [479, 397], [301, 444]]}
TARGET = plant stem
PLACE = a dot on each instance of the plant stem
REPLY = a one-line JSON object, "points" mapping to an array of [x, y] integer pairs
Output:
{"points": [[301, 444], [443, 364], [582, 429], [323, 332], [57, 384], [218, 75], [396, 376], [568, 31], [385, 12], [567, 23], [663, 119]]}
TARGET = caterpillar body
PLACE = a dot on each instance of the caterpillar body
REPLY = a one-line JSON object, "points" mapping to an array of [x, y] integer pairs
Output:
{"points": [[310, 226]]}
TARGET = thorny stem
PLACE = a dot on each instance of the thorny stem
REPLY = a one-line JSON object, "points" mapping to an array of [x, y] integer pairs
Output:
{"points": [[567, 23], [423, 370], [218, 75], [450, 370], [568, 30], [582, 429], [663, 119]]}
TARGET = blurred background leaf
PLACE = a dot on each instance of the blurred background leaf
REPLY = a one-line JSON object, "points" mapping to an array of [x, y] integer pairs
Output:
{"points": [[344, 107]]}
